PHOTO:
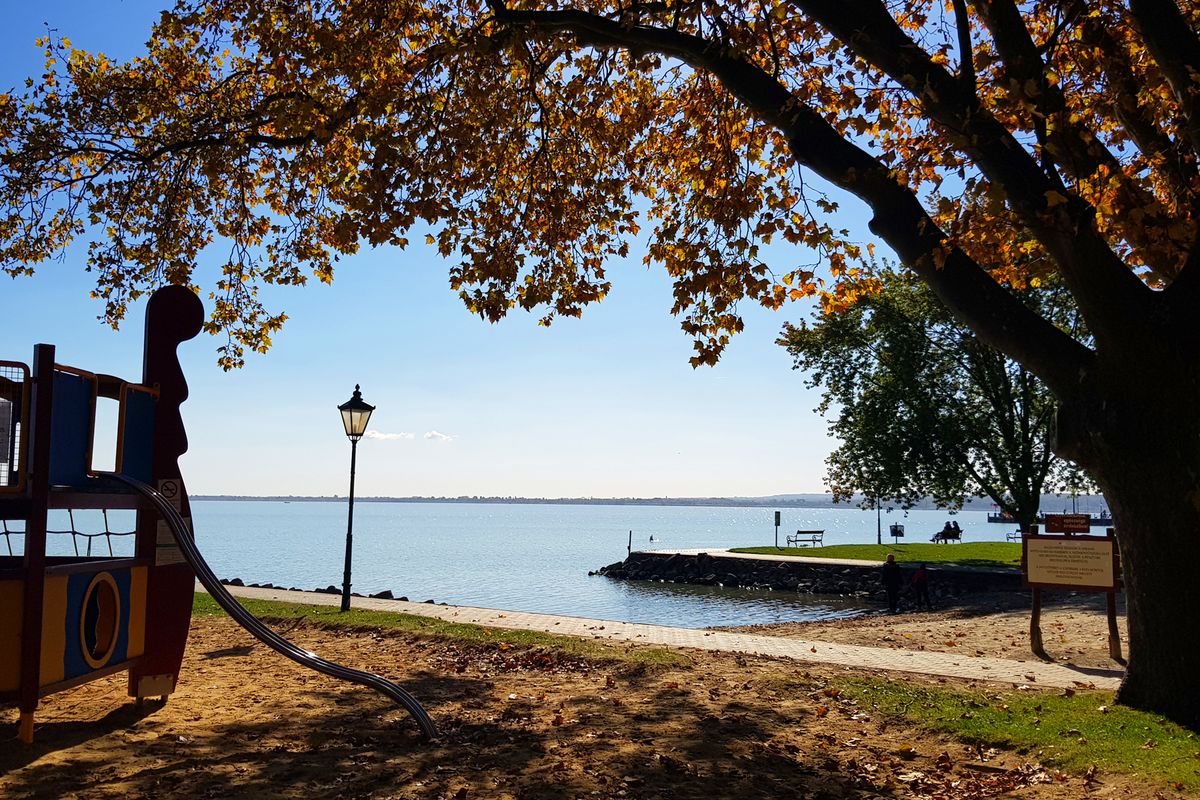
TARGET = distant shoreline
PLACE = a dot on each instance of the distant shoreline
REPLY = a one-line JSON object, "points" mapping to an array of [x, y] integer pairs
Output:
{"points": [[773, 502], [556, 501]]}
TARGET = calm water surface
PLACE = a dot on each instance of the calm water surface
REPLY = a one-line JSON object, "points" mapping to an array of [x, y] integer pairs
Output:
{"points": [[533, 557]]}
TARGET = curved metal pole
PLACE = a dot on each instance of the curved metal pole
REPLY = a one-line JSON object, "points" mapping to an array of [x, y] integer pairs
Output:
{"points": [[264, 634]]}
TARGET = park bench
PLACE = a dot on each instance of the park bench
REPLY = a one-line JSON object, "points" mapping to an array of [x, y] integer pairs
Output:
{"points": [[1013, 536], [944, 537], [806, 538]]}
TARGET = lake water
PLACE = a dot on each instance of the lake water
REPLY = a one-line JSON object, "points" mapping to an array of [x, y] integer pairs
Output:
{"points": [[528, 557]]}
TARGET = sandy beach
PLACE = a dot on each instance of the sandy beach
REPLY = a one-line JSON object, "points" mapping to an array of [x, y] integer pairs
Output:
{"points": [[1074, 628], [521, 723]]}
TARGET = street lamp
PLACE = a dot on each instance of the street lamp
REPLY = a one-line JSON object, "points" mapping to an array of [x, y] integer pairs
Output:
{"points": [[355, 414]]}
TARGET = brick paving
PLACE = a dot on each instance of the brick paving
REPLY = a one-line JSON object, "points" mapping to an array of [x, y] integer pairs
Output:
{"points": [[1032, 673]]}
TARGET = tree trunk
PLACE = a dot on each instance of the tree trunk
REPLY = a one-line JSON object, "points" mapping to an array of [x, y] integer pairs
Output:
{"points": [[1026, 517], [1158, 529], [1139, 435]]}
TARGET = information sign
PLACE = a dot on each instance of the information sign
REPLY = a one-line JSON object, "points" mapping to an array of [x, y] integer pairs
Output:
{"points": [[1071, 562]]}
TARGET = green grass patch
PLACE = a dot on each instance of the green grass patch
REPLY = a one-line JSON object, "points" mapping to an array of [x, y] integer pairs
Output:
{"points": [[1068, 732], [970, 554], [361, 619]]}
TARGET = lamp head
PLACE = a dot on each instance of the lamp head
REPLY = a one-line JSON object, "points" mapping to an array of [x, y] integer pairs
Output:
{"points": [[355, 415]]}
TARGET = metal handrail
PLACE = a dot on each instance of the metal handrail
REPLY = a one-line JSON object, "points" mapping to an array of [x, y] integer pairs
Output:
{"points": [[209, 580]]}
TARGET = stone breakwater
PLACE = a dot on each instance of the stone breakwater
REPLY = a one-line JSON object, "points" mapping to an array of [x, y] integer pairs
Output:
{"points": [[802, 577], [386, 594]]}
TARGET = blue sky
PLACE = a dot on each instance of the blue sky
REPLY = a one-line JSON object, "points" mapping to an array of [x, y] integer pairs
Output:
{"points": [[603, 406]]}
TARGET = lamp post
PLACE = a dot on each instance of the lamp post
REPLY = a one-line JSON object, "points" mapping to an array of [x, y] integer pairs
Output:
{"points": [[355, 414]]}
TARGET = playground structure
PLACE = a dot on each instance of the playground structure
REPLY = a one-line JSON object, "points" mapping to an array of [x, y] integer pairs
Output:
{"points": [[69, 619]]}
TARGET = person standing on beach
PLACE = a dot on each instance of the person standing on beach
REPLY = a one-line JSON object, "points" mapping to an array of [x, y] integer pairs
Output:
{"points": [[891, 579], [920, 585]]}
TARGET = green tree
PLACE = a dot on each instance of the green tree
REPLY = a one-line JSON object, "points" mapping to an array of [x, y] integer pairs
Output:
{"points": [[991, 141], [923, 408]]}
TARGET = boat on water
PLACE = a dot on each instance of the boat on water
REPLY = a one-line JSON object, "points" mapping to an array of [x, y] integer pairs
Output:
{"points": [[1102, 520]]}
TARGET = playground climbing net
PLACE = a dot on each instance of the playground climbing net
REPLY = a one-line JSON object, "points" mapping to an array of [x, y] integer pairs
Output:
{"points": [[82, 533], [86, 540]]}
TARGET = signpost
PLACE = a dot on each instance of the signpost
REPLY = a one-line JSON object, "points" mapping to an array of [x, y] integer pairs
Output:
{"points": [[776, 530], [1069, 561]]}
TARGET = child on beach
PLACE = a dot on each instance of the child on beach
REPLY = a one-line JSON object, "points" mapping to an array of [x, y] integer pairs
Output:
{"points": [[920, 586]]}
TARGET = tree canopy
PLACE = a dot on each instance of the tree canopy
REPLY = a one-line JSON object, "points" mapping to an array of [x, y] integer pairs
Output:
{"points": [[922, 408], [993, 142]]}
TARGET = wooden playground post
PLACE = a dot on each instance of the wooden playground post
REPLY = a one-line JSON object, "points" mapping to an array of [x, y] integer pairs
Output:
{"points": [[35, 539]]}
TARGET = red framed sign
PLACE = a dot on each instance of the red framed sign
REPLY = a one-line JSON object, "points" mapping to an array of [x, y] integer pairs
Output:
{"points": [[1068, 523]]}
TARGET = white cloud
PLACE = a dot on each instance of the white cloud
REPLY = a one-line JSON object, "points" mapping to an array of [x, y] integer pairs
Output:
{"points": [[389, 437], [441, 437]]}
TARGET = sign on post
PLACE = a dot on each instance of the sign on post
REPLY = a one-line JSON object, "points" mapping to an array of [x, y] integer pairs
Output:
{"points": [[1068, 523], [1086, 563], [1070, 562]]}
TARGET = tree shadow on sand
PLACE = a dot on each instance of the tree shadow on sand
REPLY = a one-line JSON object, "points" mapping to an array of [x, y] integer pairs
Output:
{"points": [[638, 736]]}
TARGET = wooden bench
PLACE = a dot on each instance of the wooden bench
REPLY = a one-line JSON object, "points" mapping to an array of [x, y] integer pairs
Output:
{"points": [[1013, 536], [806, 538], [945, 537]]}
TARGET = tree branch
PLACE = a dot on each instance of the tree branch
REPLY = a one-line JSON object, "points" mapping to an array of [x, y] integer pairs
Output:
{"points": [[1104, 287], [899, 219], [966, 51], [1070, 143], [1174, 45], [1171, 158]]}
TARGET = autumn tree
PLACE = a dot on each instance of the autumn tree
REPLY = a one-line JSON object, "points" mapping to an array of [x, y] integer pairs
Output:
{"points": [[991, 141], [923, 408]]}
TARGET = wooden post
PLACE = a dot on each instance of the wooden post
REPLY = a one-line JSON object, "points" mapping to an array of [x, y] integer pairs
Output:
{"points": [[34, 566], [173, 316], [1035, 615], [629, 548], [1114, 636], [1035, 625]]}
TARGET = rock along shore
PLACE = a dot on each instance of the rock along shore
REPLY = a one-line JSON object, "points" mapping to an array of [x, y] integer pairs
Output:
{"points": [[807, 576], [386, 594]]}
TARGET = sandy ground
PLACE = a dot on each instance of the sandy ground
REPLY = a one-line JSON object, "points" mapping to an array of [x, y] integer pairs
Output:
{"points": [[1074, 628], [520, 723]]}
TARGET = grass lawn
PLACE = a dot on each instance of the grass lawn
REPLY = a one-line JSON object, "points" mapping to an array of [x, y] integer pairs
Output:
{"points": [[970, 554], [1071, 731], [270, 610]]}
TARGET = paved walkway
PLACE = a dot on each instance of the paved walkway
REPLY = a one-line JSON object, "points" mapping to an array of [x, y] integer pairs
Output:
{"points": [[717, 552], [850, 562], [1033, 673]]}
